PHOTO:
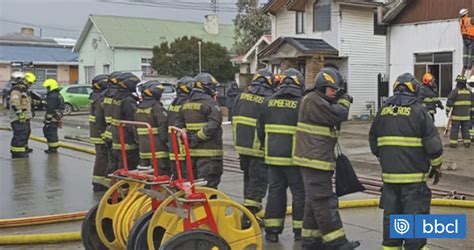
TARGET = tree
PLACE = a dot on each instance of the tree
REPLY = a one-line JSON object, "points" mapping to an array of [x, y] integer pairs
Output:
{"points": [[250, 24], [181, 58]]}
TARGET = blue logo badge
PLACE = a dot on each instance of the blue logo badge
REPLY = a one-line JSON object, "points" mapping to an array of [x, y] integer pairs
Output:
{"points": [[402, 226], [427, 226]]}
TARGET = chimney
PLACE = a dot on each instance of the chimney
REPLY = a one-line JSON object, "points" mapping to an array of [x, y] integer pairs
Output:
{"points": [[27, 31], [211, 24]]}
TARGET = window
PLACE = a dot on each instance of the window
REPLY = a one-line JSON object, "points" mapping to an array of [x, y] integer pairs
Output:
{"points": [[379, 29], [89, 72], [73, 90], [146, 66], [322, 15], [168, 89], [440, 65], [300, 22], [106, 69], [44, 73]]}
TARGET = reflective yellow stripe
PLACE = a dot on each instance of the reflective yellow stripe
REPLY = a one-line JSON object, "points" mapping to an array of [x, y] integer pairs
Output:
{"points": [[252, 203], [344, 103], [404, 178], [334, 235], [180, 157], [464, 92], [144, 131], [315, 129], [53, 144], [107, 100], [467, 140], [108, 119], [249, 151], [429, 99], [101, 180], [114, 122], [453, 141], [202, 136], [462, 103], [313, 163], [436, 161], [424, 248], [471, 132], [280, 129], [244, 120], [96, 140], [472, 108], [460, 117], [18, 149], [107, 135], [401, 141], [159, 154], [313, 233], [297, 224], [206, 152], [127, 146], [195, 126], [391, 248], [273, 222], [91, 118], [278, 161]]}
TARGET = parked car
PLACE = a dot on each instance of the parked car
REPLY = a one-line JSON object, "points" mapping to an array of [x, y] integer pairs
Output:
{"points": [[38, 94], [166, 98], [76, 97]]}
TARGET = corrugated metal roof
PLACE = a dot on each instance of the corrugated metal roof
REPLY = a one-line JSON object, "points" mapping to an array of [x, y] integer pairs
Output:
{"points": [[37, 54], [144, 33]]}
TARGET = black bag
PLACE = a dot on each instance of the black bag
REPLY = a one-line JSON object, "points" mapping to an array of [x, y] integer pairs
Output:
{"points": [[346, 178]]}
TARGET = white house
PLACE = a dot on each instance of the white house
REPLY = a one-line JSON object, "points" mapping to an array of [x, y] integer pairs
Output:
{"points": [[308, 33]]}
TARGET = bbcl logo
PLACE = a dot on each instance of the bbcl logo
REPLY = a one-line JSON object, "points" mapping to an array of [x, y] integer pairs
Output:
{"points": [[428, 226]]}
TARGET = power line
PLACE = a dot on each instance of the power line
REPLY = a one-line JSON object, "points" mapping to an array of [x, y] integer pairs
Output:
{"points": [[175, 5], [6, 20]]}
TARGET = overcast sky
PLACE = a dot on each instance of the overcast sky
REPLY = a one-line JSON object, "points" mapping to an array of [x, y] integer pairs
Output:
{"points": [[66, 18]]}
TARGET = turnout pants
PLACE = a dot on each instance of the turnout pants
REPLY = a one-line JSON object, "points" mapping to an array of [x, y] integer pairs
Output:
{"points": [[21, 132], [321, 215], [164, 167], [50, 131], [414, 198], [101, 164], [468, 48], [280, 178], [464, 126], [255, 181], [133, 159], [209, 169]]}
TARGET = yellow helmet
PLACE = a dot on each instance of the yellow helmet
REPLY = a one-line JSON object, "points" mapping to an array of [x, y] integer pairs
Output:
{"points": [[30, 78], [50, 84]]}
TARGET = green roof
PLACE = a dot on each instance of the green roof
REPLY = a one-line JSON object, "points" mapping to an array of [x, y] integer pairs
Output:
{"points": [[144, 33]]}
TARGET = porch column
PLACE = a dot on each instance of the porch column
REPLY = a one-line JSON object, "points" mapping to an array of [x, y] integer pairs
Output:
{"points": [[313, 66]]}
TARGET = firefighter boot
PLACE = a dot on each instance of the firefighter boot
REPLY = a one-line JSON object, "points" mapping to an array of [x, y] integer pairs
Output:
{"points": [[99, 188], [297, 234], [311, 243], [19, 155], [348, 245], [246, 221], [272, 237], [29, 150], [51, 150], [467, 145]]}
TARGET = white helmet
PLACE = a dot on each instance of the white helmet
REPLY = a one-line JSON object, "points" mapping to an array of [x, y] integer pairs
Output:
{"points": [[463, 12]]}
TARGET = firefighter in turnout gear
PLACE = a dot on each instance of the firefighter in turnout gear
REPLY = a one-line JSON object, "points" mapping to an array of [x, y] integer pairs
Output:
{"points": [[322, 111], [466, 24], [276, 127], [471, 131], [428, 96], [405, 140], [202, 118], [151, 111], [97, 127], [20, 113], [54, 114], [124, 105], [459, 100], [246, 110], [183, 90], [107, 100]]}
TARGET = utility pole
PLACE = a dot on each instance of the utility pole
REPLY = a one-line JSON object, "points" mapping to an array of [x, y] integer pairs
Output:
{"points": [[199, 48]]}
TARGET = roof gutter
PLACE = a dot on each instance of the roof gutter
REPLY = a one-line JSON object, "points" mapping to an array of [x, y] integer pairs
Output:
{"points": [[394, 9]]}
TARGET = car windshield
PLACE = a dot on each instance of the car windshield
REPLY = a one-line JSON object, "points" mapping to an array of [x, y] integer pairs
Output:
{"points": [[37, 85], [168, 89]]}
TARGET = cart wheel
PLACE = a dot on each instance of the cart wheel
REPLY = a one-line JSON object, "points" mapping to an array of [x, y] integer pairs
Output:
{"points": [[227, 214], [198, 239], [137, 236], [89, 236], [125, 193], [156, 231]]}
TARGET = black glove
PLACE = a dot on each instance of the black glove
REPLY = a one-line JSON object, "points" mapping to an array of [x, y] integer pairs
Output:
{"points": [[435, 173], [350, 98], [441, 106], [447, 113], [193, 140]]}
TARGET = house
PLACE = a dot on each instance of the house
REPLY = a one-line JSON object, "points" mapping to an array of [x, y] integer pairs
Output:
{"points": [[308, 33], [424, 36], [46, 57], [249, 63], [111, 43]]}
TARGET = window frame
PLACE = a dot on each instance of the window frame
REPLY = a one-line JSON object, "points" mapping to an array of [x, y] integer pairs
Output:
{"points": [[431, 63], [145, 66], [299, 27], [317, 5]]}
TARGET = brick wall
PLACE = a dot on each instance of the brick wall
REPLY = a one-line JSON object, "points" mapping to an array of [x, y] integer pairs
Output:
{"points": [[313, 66]]}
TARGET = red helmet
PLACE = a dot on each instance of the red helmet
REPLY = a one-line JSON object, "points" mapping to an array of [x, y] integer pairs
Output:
{"points": [[427, 78]]}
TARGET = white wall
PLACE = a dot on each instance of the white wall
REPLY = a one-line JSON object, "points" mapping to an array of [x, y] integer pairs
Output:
{"points": [[405, 40], [331, 36], [285, 23]]}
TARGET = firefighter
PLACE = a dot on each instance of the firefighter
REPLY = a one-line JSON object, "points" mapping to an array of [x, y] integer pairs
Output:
{"points": [[30, 79], [151, 111], [53, 117], [107, 99], [405, 140], [231, 95], [459, 100], [183, 89], [323, 109], [276, 127], [428, 95], [201, 116], [246, 110], [124, 105], [97, 126], [471, 132], [466, 25], [20, 113]]}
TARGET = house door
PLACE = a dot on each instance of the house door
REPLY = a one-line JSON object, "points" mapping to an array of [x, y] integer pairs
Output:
{"points": [[73, 74]]}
